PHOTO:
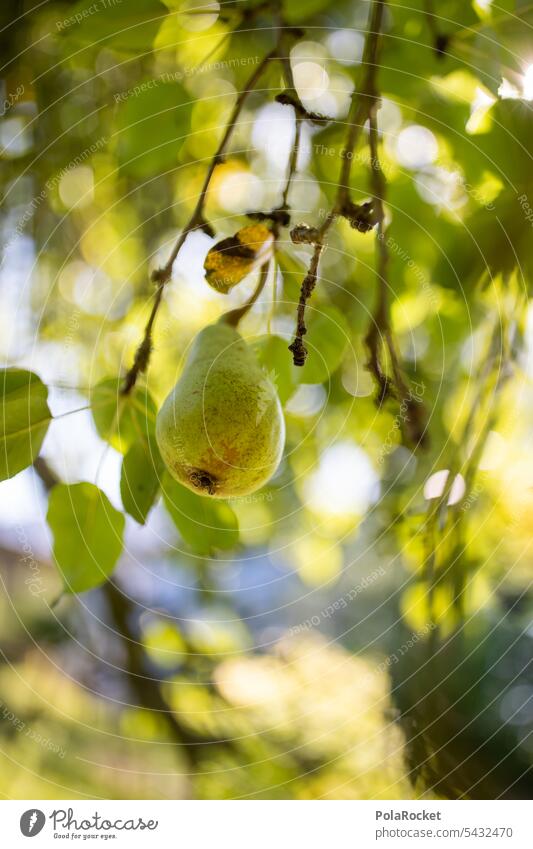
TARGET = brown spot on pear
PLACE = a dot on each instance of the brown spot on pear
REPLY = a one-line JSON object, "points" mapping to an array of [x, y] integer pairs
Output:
{"points": [[221, 430]]}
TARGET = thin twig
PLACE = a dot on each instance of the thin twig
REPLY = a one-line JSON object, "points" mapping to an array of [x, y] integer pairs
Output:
{"points": [[293, 161], [440, 515], [440, 39], [279, 217], [363, 97], [364, 105], [162, 275], [414, 422], [299, 351], [45, 473], [290, 96], [379, 326]]}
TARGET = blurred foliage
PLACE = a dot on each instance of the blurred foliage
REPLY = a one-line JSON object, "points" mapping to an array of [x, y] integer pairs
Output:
{"points": [[107, 129]]}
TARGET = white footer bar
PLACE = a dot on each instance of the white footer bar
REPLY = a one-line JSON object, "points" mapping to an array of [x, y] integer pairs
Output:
{"points": [[267, 824]]}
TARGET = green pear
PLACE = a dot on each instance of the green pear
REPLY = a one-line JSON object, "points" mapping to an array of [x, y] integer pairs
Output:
{"points": [[221, 430]]}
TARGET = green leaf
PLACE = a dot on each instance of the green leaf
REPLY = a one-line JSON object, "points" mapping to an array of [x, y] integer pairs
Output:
{"points": [[140, 478], [87, 533], [130, 25], [293, 272], [327, 337], [513, 30], [204, 523], [24, 422], [151, 127], [295, 13], [274, 355], [492, 241], [120, 419], [507, 147]]}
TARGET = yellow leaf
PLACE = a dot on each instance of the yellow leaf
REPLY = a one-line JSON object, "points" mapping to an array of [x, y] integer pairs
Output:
{"points": [[232, 259]]}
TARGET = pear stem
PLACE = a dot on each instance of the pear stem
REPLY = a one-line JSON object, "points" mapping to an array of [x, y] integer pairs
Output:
{"points": [[234, 316]]}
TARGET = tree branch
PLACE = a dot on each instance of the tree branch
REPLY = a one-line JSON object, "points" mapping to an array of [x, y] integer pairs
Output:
{"points": [[362, 102], [293, 161], [380, 325], [290, 96], [162, 275], [280, 217], [297, 347], [359, 217], [440, 39], [414, 423], [497, 368], [45, 473], [146, 689]]}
